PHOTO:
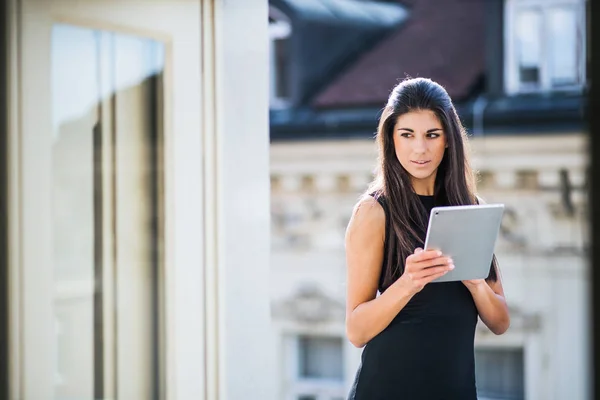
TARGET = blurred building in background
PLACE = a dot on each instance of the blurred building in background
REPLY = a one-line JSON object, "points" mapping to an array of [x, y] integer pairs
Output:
{"points": [[516, 70], [135, 188]]}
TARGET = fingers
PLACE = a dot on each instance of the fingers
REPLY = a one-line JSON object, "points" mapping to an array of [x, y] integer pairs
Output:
{"points": [[428, 272], [432, 277], [438, 261], [420, 273], [424, 255], [413, 264]]}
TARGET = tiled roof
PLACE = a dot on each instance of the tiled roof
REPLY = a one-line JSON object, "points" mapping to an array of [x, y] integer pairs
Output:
{"points": [[329, 34], [442, 40]]}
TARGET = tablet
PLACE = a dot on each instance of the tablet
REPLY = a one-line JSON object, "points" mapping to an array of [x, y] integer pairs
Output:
{"points": [[468, 235]]}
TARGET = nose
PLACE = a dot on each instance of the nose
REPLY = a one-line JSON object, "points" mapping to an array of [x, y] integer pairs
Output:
{"points": [[419, 145]]}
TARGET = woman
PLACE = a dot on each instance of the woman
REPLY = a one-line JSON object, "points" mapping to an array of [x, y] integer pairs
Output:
{"points": [[418, 337]]}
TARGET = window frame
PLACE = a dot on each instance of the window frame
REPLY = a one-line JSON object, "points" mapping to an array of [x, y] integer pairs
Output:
{"points": [[321, 388], [512, 84], [504, 349]]}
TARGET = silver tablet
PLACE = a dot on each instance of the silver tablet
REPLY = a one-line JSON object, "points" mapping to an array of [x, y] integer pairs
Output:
{"points": [[468, 235]]}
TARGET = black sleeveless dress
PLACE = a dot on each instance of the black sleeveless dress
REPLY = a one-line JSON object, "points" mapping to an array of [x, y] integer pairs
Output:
{"points": [[427, 351]]}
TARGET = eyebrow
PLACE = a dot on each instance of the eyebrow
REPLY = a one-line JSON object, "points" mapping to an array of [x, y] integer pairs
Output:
{"points": [[429, 131]]}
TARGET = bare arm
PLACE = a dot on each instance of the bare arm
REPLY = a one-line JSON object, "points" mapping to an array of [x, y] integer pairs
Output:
{"points": [[366, 314], [490, 302]]}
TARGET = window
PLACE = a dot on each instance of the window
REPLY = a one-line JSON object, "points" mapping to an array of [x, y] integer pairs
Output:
{"points": [[279, 33], [107, 213], [545, 45], [317, 367], [320, 358], [499, 374]]}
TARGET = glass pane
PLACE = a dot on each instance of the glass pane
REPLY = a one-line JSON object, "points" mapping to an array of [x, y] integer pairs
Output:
{"points": [[282, 68], [564, 45], [106, 212], [75, 94], [500, 373], [529, 45], [279, 34], [321, 357]]}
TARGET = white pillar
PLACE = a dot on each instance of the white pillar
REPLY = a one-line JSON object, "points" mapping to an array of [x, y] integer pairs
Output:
{"points": [[240, 202]]}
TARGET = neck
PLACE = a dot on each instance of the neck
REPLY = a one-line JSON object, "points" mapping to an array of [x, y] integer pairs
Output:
{"points": [[424, 188]]}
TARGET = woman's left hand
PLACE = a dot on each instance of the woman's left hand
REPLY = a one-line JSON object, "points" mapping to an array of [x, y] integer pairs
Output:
{"points": [[490, 303], [474, 284]]}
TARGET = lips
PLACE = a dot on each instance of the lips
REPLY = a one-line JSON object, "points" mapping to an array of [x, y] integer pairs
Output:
{"points": [[420, 162]]}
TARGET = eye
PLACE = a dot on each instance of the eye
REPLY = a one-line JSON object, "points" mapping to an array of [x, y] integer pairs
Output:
{"points": [[405, 134], [433, 135]]}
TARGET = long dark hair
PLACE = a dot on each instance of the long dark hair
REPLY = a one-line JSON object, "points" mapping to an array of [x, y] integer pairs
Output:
{"points": [[454, 182]]}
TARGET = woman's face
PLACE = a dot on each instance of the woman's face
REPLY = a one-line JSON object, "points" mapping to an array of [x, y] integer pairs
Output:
{"points": [[420, 143]]}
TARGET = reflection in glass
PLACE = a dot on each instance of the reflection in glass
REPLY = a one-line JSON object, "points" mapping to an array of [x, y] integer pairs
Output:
{"points": [[529, 46], [282, 62], [564, 45], [279, 33], [107, 214]]}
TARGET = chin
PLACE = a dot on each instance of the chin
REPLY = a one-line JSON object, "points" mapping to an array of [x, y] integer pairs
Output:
{"points": [[420, 175]]}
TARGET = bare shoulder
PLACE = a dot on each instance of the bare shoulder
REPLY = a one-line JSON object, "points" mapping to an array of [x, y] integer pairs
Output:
{"points": [[365, 240], [368, 217]]}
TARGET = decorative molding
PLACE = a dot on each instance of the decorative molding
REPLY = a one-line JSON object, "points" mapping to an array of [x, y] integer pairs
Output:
{"points": [[505, 179], [542, 179], [309, 305], [510, 228], [326, 182], [548, 179], [290, 182], [360, 181]]}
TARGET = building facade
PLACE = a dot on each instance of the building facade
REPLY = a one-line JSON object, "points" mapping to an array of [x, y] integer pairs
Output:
{"points": [[518, 81]]}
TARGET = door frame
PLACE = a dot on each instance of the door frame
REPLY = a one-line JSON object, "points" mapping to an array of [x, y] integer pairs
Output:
{"points": [[181, 284], [13, 202], [210, 352], [4, 296]]}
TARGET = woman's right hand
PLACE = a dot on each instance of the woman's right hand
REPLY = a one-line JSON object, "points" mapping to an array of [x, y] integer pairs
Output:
{"points": [[422, 267]]}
